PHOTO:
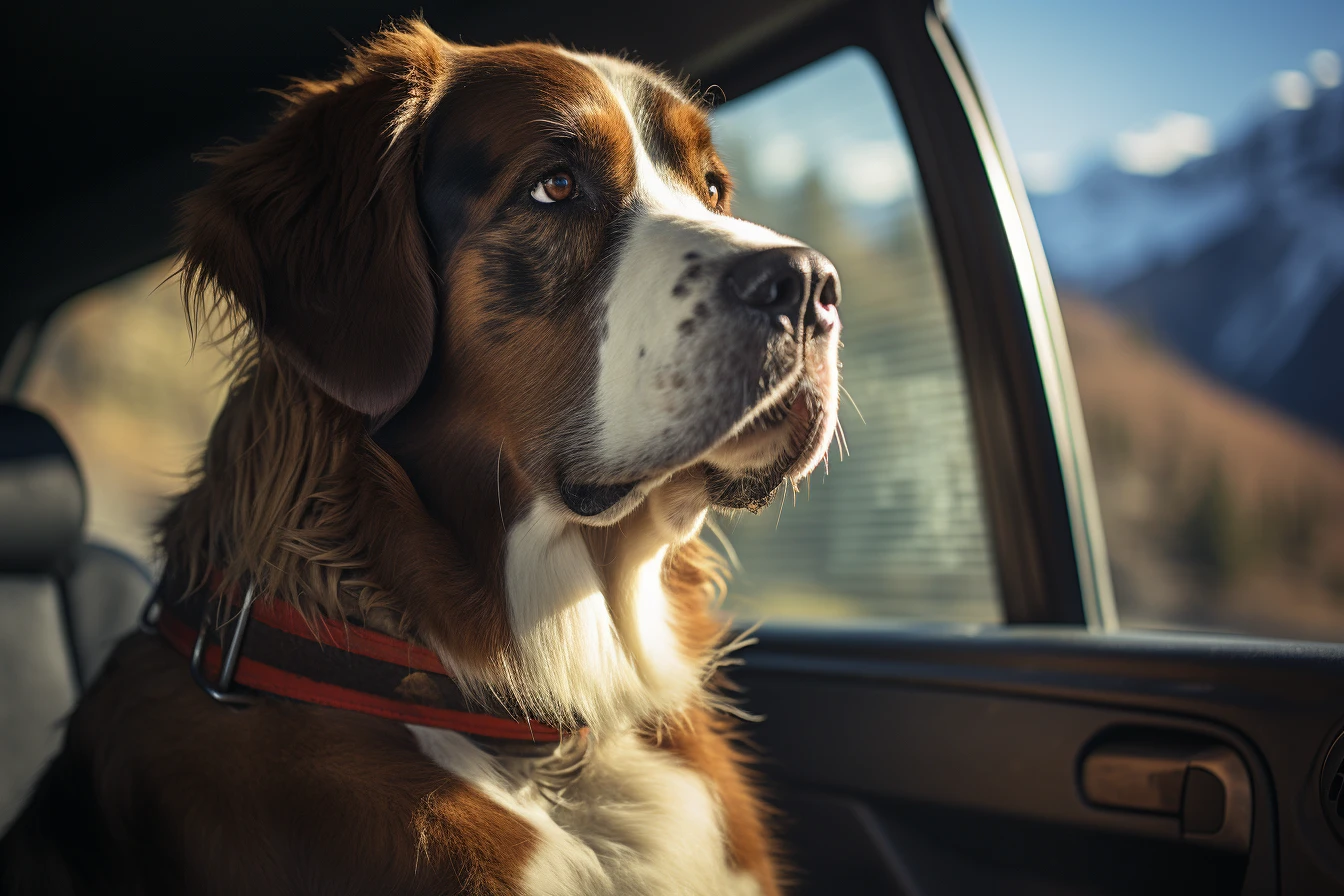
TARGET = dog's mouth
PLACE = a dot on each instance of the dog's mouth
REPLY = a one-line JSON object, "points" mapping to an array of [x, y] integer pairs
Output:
{"points": [[781, 439], [591, 499], [792, 407], [784, 440]]}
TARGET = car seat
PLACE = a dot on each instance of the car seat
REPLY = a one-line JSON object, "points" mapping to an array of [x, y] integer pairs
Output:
{"points": [[64, 603]]}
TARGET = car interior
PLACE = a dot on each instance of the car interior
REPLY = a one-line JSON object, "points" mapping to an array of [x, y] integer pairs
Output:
{"points": [[1037, 748]]}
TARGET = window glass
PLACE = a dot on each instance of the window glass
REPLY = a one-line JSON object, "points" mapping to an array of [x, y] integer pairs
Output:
{"points": [[895, 526], [1191, 207], [116, 373]]}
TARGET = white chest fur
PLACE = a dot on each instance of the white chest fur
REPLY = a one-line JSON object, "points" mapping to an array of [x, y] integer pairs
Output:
{"points": [[592, 646], [634, 820]]}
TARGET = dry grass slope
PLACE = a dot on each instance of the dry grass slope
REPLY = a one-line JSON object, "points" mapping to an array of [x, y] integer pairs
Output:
{"points": [[1219, 512]]}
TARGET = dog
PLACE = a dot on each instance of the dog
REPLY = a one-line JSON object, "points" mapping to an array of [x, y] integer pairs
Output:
{"points": [[502, 348]]}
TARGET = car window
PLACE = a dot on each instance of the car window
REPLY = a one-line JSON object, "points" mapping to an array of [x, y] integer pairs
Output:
{"points": [[1193, 222], [115, 371], [894, 525]]}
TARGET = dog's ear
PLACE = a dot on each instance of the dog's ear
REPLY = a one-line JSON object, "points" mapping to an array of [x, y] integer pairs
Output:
{"points": [[312, 232]]}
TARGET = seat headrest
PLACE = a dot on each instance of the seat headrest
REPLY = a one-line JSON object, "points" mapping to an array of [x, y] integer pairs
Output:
{"points": [[41, 494]]}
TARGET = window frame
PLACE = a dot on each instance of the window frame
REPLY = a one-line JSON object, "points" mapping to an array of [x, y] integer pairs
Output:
{"points": [[1031, 449]]}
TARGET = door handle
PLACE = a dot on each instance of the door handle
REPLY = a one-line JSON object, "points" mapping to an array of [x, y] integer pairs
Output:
{"points": [[1205, 786]]}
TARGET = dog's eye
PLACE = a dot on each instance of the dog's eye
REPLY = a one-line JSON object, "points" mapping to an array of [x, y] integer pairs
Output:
{"points": [[713, 195], [556, 188]]}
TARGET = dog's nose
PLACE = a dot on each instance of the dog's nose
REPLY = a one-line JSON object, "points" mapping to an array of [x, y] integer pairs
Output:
{"points": [[789, 282]]}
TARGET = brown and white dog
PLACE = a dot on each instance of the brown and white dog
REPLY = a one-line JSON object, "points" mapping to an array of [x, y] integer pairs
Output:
{"points": [[505, 348]]}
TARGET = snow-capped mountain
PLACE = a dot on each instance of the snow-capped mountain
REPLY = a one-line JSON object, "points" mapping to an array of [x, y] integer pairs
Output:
{"points": [[1235, 260]]}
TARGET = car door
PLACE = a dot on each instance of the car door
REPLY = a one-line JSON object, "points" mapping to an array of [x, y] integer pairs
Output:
{"points": [[947, 701]]}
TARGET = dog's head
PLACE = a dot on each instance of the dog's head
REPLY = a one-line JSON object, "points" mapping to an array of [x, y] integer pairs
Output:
{"points": [[529, 249]]}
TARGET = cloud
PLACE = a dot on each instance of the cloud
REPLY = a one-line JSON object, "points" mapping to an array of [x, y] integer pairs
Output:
{"points": [[1292, 90], [781, 161], [875, 172], [1177, 138], [1045, 172], [1324, 66]]}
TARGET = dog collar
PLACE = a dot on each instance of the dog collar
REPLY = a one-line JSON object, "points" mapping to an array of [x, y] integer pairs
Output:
{"points": [[269, 648]]}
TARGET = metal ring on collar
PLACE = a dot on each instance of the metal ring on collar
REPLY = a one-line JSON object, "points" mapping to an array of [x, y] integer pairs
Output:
{"points": [[220, 690]]}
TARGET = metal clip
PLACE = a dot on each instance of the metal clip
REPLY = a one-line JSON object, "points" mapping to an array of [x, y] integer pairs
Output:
{"points": [[219, 690]]}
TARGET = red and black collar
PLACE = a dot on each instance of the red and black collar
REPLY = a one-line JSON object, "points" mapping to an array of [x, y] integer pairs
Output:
{"points": [[278, 652]]}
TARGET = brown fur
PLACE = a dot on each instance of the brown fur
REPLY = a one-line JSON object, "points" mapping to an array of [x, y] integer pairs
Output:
{"points": [[377, 354], [313, 235], [188, 797], [679, 137], [294, 496]]}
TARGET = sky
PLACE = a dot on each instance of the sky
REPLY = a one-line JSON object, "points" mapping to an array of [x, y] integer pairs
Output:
{"points": [[1145, 83]]}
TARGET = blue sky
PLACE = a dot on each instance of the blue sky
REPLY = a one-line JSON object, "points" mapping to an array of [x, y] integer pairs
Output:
{"points": [[1143, 83], [1068, 77]]}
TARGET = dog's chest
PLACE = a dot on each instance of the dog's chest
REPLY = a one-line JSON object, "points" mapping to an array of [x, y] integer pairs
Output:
{"points": [[621, 817]]}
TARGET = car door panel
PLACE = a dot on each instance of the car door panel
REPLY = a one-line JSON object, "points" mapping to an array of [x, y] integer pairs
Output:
{"points": [[930, 762]]}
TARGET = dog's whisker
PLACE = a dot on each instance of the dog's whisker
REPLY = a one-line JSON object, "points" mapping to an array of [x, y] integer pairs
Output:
{"points": [[717, 530], [853, 403]]}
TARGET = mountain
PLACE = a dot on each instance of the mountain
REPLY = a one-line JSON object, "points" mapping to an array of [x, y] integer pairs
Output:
{"points": [[1234, 261]]}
